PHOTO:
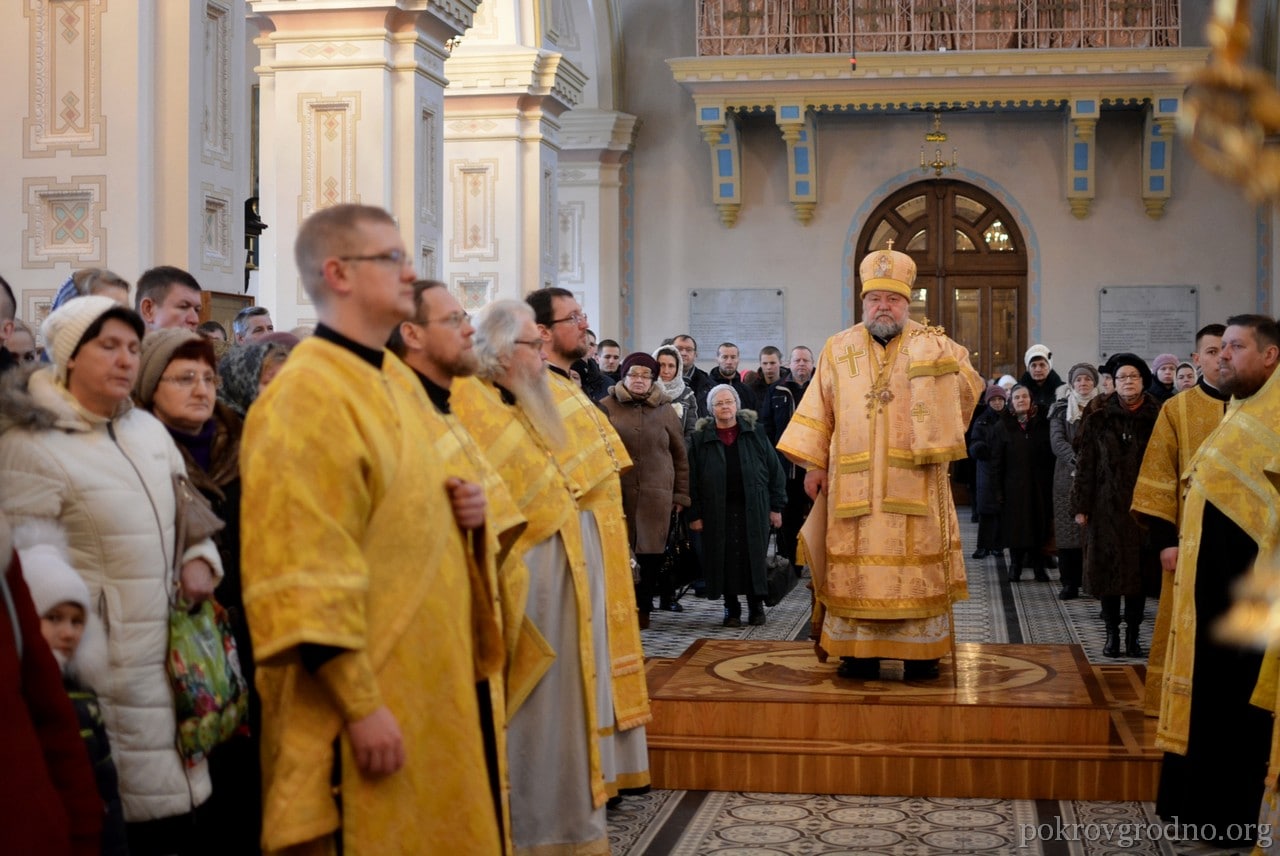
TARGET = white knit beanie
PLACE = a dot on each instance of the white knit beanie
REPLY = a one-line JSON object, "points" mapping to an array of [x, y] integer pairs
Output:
{"points": [[66, 326], [1039, 351]]}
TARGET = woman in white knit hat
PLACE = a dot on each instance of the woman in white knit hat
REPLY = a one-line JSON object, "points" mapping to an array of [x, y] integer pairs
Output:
{"points": [[74, 450]]}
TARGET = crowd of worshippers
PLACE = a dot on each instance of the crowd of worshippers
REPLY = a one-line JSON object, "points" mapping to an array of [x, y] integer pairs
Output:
{"points": [[441, 536]]}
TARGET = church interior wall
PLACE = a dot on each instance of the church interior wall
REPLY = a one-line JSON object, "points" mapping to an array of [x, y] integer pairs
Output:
{"points": [[1207, 236]]}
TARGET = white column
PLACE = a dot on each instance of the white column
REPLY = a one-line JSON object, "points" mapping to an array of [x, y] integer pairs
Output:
{"points": [[351, 111]]}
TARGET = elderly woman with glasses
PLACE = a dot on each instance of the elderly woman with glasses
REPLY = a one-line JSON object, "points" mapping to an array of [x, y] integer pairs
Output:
{"points": [[739, 491], [75, 452], [1110, 443], [178, 383], [658, 484]]}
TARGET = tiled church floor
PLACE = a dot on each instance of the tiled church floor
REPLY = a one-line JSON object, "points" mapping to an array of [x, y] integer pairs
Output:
{"points": [[690, 823]]}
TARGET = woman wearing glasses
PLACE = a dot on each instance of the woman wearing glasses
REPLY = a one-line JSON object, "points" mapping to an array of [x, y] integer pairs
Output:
{"points": [[76, 453], [178, 382], [22, 344], [642, 415], [1110, 442]]}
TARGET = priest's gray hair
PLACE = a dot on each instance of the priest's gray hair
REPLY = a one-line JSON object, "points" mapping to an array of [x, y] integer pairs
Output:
{"points": [[711, 394], [497, 330]]}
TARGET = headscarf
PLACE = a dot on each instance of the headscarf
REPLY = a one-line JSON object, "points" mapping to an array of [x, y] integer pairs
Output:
{"points": [[241, 370], [673, 388], [1076, 402]]}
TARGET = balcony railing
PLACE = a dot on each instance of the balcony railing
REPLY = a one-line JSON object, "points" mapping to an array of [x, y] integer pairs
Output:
{"points": [[737, 27]]}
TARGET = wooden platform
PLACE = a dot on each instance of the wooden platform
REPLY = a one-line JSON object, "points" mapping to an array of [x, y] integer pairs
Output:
{"points": [[1019, 722]]}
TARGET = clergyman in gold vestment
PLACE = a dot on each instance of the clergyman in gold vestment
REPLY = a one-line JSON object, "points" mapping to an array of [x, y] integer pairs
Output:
{"points": [[884, 415], [357, 586]]}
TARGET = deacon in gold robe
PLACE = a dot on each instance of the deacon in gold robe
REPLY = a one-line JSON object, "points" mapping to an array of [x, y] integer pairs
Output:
{"points": [[1215, 739], [357, 585], [437, 344], [885, 413], [1184, 422], [557, 786], [594, 460]]}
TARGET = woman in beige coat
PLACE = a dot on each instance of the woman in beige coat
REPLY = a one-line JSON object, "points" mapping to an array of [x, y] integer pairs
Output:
{"points": [[642, 415]]}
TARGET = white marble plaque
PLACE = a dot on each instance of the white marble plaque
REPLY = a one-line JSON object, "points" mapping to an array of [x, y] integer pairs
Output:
{"points": [[751, 318], [1148, 320]]}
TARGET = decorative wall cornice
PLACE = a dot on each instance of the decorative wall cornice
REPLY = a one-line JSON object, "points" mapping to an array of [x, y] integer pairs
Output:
{"points": [[887, 82], [598, 130], [515, 71]]}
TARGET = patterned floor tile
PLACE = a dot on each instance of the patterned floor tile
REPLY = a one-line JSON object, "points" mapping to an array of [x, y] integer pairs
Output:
{"points": [[691, 823]]}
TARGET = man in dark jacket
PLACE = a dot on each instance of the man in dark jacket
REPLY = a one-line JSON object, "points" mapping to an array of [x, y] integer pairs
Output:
{"points": [[777, 405], [726, 371], [694, 377]]}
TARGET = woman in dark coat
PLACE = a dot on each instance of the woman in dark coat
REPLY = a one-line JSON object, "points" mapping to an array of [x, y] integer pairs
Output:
{"points": [[738, 492], [1022, 468], [986, 493], [172, 373], [1109, 448], [642, 415], [1064, 424]]}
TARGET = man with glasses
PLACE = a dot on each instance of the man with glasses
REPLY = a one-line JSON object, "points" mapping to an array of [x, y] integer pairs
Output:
{"points": [[558, 685], [694, 377], [594, 460], [884, 415], [372, 665], [1216, 739]]}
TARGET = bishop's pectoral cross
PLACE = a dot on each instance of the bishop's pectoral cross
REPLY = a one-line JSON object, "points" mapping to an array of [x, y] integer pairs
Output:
{"points": [[850, 356]]}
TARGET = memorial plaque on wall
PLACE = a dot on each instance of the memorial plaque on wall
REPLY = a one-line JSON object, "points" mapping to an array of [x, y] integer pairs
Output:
{"points": [[1148, 320], [751, 318]]}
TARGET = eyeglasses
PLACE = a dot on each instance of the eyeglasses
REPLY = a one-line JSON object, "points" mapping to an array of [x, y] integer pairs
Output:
{"points": [[453, 319], [1128, 377], [576, 317], [640, 375], [532, 343], [187, 380], [27, 356], [396, 258]]}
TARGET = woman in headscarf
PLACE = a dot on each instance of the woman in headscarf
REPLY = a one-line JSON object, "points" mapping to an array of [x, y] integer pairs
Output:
{"points": [[1109, 448], [246, 370], [670, 378], [1064, 423], [1022, 468], [986, 493], [659, 482]]}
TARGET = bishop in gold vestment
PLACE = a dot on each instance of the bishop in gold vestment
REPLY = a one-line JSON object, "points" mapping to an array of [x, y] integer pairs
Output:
{"points": [[350, 544], [1184, 422], [883, 417]]}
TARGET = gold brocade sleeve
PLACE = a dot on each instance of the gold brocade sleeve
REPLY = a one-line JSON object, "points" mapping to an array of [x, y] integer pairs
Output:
{"points": [[1156, 492], [351, 683]]}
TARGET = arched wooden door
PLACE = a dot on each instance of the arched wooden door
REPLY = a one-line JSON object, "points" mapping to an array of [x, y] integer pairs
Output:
{"points": [[972, 267]]}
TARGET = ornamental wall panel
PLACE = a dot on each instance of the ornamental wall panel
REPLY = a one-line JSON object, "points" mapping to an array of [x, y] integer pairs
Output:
{"points": [[64, 221], [548, 206], [572, 269], [217, 230], [37, 303], [64, 102], [216, 139], [475, 291], [429, 162], [474, 211], [328, 155]]}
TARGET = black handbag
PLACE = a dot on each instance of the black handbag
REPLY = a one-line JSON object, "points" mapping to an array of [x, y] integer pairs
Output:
{"points": [[680, 565], [779, 579]]}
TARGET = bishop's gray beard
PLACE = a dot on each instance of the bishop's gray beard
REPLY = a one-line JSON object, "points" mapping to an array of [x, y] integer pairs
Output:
{"points": [[884, 329]]}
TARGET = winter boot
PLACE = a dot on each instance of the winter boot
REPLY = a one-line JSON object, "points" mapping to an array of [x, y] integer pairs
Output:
{"points": [[1111, 615], [1133, 607]]}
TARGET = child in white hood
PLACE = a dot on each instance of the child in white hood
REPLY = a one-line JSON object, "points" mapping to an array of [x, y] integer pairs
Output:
{"points": [[74, 632]]}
